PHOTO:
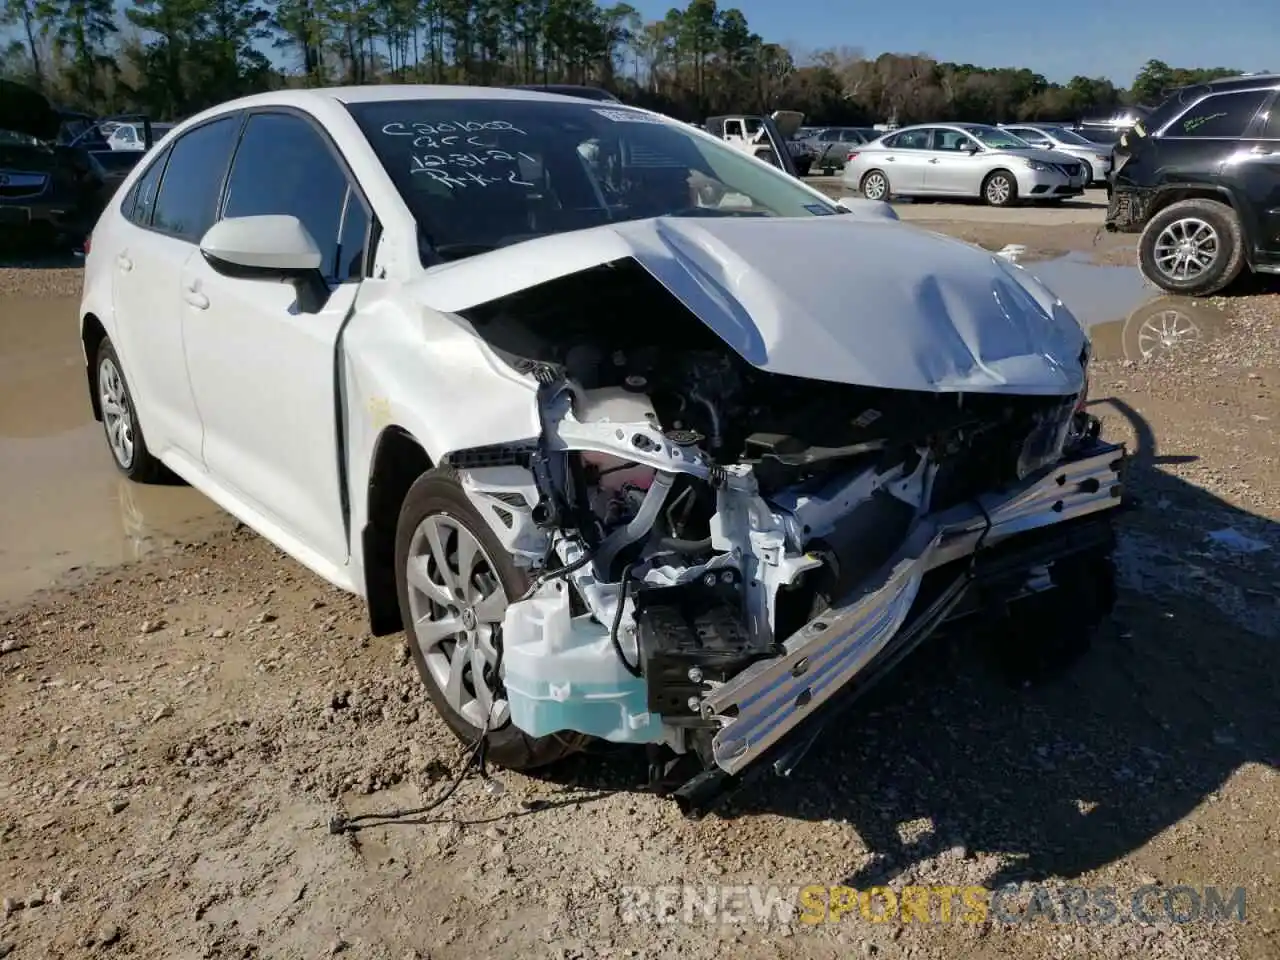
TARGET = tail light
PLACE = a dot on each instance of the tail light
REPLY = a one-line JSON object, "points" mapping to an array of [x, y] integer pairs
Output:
{"points": [[852, 156], [88, 242]]}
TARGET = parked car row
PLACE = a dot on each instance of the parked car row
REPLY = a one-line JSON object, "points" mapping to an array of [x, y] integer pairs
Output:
{"points": [[59, 168]]}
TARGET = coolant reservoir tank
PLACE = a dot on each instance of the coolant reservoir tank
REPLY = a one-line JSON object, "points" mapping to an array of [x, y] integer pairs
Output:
{"points": [[562, 673]]}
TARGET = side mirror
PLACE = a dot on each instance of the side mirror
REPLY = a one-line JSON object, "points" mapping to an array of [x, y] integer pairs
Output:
{"points": [[272, 247], [971, 148]]}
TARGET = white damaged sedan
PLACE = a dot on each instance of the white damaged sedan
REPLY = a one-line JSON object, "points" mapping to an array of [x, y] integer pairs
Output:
{"points": [[637, 438]]}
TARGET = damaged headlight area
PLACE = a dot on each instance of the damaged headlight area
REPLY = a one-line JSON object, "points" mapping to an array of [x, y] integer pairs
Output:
{"points": [[718, 551]]}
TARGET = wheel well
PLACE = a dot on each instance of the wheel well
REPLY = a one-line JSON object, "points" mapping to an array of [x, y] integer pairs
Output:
{"points": [[1006, 172], [92, 333], [1166, 198], [869, 173], [398, 460]]}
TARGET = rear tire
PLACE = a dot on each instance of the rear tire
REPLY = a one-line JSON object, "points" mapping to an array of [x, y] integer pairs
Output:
{"points": [[875, 185], [436, 502], [120, 419], [1211, 229]]}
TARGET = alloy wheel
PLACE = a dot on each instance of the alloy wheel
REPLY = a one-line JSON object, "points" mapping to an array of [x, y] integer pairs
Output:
{"points": [[116, 418], [1186, 248], [998, 190], [457, 603], [874, 187]]}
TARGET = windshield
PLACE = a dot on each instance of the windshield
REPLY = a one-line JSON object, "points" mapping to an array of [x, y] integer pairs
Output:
{"points": [[1063, 135], [998, 139], [481, 174]]}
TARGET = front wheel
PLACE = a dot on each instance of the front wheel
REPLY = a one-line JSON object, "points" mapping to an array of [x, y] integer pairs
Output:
{"points": [[454, 581], [1000, 189], [1194, 247], [120, 419]]}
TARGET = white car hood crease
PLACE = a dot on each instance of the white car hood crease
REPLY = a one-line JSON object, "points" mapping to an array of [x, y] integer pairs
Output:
{"points": [[875, 303]]}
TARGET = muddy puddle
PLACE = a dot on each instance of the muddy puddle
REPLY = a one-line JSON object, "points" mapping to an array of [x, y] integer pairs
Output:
{"points": [[1128, 318], [64, 506]]}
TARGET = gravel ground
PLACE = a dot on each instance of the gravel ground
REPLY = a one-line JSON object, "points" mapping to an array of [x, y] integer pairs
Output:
{"points": [[179, 732]]}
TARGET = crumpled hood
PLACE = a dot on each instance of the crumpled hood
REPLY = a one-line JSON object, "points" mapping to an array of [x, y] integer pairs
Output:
{"points": [[871, 302]]}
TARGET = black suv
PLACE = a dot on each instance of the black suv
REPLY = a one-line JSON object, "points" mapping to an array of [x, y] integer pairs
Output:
{"points": [[1199, 178]]}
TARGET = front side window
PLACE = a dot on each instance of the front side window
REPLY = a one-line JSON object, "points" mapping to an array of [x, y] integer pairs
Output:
{"points": [[1223, 115], [187, 202], [1270, 129], [480, 174], [284, 165], [997, 139], [951, 140]]}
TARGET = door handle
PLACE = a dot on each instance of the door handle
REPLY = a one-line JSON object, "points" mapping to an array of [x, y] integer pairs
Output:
{"points": [[195, 298], [933, 159], [890, 159], [1260, 150], [124, 263]]}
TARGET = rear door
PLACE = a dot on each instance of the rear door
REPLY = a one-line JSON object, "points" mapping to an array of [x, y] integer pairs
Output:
{"points": [[904, 159], [1255, 168], [167, 212]]}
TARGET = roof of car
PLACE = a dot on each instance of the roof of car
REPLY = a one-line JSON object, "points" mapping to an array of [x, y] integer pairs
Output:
{"points": [[382, 93]]}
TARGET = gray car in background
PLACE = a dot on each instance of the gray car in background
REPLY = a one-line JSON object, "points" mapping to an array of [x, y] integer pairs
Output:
{"points": [[961, 160], [1096, 157], [830, 145]]}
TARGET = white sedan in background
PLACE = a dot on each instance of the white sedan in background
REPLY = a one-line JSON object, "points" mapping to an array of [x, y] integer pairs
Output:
{"points": [[961, 160], [594, 434]]}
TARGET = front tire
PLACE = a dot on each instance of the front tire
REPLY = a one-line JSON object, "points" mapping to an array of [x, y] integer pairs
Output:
{"points": [[1193, 247], [454, 581], [1000, 189], [120, 419]]}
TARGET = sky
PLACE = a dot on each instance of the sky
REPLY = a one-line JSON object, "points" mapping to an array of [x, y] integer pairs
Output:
{"points": [[1059, 39]]}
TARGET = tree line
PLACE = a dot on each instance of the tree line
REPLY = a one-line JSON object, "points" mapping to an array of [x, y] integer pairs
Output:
{"points": [[171, 58]]}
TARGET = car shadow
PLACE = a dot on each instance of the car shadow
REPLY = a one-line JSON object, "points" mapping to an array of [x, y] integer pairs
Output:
{"points": [[1058, 779]]}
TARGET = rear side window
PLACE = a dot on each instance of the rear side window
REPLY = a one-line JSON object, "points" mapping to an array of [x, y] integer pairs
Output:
{"points": [[285, 166], [141, 201], [910, 140], [187, 203], [1222, 115]]}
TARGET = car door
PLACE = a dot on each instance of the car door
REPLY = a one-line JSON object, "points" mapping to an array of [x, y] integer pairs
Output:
{"points": [[166, 211], [1256, 170], [951, 169], [263, 372], [904, 159], [828, 142]]}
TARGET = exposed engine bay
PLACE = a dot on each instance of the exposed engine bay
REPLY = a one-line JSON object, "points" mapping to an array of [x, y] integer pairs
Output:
{"points": [[737, 544]]}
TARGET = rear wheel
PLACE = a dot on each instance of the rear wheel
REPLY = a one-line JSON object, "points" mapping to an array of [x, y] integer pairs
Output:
{"points": [[1088, 174], [120, 419], [1193, 247], [455, 581], [875, 185]]}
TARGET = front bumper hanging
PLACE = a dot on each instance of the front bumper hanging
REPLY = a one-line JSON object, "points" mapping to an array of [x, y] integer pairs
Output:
{"points": [[761, 706]]}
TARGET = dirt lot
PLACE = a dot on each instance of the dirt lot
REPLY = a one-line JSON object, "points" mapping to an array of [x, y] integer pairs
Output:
{"points": [[177, 732]]}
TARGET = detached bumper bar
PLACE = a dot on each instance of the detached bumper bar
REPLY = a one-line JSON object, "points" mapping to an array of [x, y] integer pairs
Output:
{"points": [[765, 703]]}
